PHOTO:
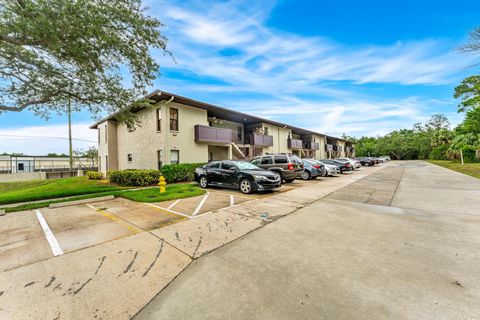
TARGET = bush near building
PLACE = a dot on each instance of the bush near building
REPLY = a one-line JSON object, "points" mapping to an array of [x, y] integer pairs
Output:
{"points": [[134, 177], [94, 175], [180, 172], [174, 173]]}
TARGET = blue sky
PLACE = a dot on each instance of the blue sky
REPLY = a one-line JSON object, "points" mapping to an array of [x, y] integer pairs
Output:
{"points": [[354, 67]]}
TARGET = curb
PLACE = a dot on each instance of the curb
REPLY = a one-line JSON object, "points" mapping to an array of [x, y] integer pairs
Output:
{"points": [[75, 202]]}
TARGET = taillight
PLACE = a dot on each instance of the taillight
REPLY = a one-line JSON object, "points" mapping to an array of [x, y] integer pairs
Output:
{"points": [[347, 165], [290, 166], [317, 167]]}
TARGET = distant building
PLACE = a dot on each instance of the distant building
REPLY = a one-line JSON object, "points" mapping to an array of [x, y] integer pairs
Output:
{"points": [[23, 164]]}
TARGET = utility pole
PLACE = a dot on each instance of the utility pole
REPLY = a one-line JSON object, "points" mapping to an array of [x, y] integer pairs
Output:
{"points": [[70, 149]]}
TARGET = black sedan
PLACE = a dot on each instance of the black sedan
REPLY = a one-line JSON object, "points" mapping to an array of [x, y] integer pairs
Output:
{"points": [[366, 162], [343, 166], [240, 175]]}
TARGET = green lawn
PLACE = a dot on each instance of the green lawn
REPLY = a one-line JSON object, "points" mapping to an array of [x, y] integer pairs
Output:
{"points": [[471, 169], [174, 191], [22, 191]]}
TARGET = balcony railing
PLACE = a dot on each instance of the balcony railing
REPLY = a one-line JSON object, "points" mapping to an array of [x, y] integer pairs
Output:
{"points": [[213, 135], [294, 144], [262, 140], [312, 145]]}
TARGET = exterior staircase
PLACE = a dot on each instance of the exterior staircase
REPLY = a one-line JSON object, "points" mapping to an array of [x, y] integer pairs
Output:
{"points": [[237, 152]]}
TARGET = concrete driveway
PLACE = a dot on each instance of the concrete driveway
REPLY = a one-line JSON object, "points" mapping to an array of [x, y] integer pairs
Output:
{"points": [[401, 243]]}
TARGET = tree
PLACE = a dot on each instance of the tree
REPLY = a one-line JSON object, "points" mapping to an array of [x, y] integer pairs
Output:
{"points": [[471, 124], [56, 51], [438, 121]]}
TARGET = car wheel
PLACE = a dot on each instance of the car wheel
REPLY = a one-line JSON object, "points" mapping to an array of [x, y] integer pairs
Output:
{"points": [[289, 180], [203, 182], [306, 175], [245, 186], [367, 164]]}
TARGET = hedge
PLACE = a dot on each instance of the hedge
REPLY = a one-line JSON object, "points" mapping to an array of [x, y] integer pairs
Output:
{"points": [[182, 172], [133, 177], [94, 175]]}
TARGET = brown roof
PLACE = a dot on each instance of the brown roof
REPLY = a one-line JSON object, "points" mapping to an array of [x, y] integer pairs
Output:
{"points": [[219, 112]]}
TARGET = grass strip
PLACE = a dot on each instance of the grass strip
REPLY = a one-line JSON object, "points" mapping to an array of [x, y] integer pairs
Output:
{"points": [[174, 191], [471, 169]]}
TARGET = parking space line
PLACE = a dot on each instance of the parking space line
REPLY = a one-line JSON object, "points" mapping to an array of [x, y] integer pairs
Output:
{"points": [[118, 220], [238, 204], [232, 200], [52, 241], [173, 204], [200, 205], [167, 210]]}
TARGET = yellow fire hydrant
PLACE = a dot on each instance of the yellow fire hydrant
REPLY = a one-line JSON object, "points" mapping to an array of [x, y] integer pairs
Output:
{"points": [[162, 184]]}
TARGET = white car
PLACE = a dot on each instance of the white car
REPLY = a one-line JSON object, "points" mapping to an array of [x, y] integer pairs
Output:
{"points": [[355, 163], [332, 170]]}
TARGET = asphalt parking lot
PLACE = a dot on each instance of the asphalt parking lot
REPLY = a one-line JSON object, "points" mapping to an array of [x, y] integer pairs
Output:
{"points": [[25, 240]]}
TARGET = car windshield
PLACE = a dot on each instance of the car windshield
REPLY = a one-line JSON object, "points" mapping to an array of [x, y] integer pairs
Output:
{"points": [[243, 165]]}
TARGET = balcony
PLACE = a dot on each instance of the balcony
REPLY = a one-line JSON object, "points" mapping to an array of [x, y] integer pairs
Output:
{"points": [[261, 140], [312, 145], [294, 144], [206, 134]]}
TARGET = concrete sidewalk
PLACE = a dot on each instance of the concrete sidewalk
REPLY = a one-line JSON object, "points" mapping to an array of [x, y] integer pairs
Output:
{"points": [[410, 253]]}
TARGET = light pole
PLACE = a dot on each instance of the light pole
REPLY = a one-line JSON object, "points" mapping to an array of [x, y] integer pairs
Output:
{"points": [[70, 149]]}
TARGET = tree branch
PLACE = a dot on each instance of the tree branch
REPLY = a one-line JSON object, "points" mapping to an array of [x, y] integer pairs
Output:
{"points": [[26, 104]]}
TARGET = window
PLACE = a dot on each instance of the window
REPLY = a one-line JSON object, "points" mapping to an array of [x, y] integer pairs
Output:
{"points": [[265, 131], [214, 165], [256, 161], [100, 163], [159, 119], [106, 135], [129, 158], [281, 159], [228, 166], [267, 160], [160, 159], [239, 133], [21, 167], [173, 119], [174, 156], [98, 135], [106, 163]]}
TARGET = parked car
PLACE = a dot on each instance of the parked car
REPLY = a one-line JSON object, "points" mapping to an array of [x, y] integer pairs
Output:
{"points": [[241, 175], [343, 166], [366, 162], [355, 163], [312, 169], [288, 166], [330, 169]]}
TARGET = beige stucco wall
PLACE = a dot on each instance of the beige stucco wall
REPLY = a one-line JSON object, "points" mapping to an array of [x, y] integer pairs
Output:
{"points": [[107, 146], [145, 141], [342, 144], [320, 154], [280, 136], [219, 153]]}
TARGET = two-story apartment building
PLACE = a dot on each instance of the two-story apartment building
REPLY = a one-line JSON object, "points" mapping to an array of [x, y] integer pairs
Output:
{"points": [[177, 129]]}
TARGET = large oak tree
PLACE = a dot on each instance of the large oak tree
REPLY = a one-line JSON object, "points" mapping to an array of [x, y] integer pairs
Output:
{"points": [[53, 52]]}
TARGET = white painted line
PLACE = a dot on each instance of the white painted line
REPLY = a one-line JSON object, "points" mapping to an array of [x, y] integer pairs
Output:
{"points": [[173, 204], [54, 245], [168, 210], [238, 204], [232, 200], [200, 205]]}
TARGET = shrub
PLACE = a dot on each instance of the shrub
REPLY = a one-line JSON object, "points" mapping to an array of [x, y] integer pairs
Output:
{"points": [[439, 152], [180, 172], [134, 177], [94, 175]]}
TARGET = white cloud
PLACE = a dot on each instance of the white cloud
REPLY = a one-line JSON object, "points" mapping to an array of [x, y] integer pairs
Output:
{"points": [[41, 140]]}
